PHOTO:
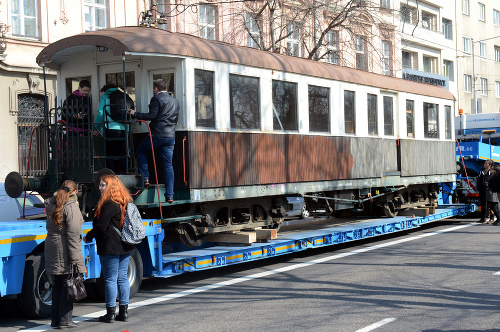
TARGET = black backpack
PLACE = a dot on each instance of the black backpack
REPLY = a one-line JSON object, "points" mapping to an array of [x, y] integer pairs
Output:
{"points": [[117, 106]]}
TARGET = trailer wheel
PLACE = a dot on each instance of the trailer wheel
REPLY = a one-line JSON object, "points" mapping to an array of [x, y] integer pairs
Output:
{"points": [[35, 299], [135, 273]]}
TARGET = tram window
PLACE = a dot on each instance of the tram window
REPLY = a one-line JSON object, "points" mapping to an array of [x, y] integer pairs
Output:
{"points": [[431, 120], [284, 105], [349, 112], [372, 114], [204, 94], [169, 78], [410, 106], [319, 109], [447, 121], [117, 79], [388, 116], [244, 102]]}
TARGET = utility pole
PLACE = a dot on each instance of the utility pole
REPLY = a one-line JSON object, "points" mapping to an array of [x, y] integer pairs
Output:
{"points": [[474, 76]]}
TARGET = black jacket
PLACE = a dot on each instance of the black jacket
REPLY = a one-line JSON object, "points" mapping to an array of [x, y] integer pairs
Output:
{"points": [[73, 105], [163, 114], [108, 240]]}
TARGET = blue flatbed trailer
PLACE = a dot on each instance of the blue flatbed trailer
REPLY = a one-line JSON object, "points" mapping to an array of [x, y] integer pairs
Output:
{"points": [[22, 274]]}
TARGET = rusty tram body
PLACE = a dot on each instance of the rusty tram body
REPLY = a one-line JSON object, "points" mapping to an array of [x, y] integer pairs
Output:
{"points": [[254, 128]]}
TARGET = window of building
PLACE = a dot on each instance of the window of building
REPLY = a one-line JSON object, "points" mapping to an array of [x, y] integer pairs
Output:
{"points": [[24, 14], [30, 115], [467, 83], [95, 14], [409, 14], [244, 102], [466, 42], [429, 21], [497, 53], [430, 64], [293, 39], [410, 106], [484, 86], [448, 70], [385, 4], [253, 36], [361, 53], [497, 89], [410, 60], [319, 109], [480, 13], [284, 105], [447, 29], [496, 17], [349, 112], [447, 122], [386, 58], [482, 49], [208, 22], [465, 7], [204, 98], [431, 120], [388, 116], [332, 42], [372, 115]]}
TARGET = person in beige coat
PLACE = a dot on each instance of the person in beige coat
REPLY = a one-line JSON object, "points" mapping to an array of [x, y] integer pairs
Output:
{"points": [[63, 249]]}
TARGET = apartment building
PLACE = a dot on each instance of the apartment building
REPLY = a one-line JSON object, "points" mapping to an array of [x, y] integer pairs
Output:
{"points": [[428, 42], [478, 56], [26, 27]]}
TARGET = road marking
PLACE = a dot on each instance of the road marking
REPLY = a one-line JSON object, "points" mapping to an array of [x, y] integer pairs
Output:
{"points": [[188, 292], [376, 325], [496, 273]]}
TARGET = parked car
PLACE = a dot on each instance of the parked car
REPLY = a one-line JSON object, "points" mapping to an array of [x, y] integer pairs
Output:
{"points": [[297, 207], [12, 208]]}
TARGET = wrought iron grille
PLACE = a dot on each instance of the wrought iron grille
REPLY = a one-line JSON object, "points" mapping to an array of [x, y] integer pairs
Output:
{"points": [[31, 115]]}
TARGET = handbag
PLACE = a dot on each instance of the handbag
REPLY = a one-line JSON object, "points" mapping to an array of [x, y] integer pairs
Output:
{"points": [[75, 288]]}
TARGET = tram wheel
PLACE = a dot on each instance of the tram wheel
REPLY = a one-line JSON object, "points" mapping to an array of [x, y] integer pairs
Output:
{"points": [[390, 210], [189, 236]]}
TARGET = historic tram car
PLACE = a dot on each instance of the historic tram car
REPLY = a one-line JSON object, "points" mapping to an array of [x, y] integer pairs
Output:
{"points": [[254, 128]]}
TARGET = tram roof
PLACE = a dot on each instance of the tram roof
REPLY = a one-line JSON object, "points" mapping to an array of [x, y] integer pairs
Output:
{"points": [[146, 40]]}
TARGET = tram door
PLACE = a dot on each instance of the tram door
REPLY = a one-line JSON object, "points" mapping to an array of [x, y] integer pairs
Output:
{"points": [[391, 123], [119, 155]]}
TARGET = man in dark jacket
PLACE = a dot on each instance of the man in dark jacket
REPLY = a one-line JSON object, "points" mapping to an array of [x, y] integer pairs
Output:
{"points": [[77, 108], [163, 114]]}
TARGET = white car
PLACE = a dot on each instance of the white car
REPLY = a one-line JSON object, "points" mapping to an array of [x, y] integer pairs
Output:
{"points": [[12, 208]]}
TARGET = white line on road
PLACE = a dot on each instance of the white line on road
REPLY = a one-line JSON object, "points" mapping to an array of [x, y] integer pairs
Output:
{"points": [[376, 325], [169, 297]]}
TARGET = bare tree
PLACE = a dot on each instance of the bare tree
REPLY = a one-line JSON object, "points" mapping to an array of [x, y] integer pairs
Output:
{"points": [[345, 32]]}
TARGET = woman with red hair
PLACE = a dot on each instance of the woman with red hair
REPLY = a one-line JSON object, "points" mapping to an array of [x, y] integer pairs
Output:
{"points": [[113, 253]]}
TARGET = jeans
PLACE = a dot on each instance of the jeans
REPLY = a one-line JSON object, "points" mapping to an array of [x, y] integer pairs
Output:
{"points": [[114, 271], [166, 147], [62, 309]]}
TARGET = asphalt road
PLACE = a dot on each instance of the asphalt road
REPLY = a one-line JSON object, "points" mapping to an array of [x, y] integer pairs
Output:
{"points": [[440, 278]]}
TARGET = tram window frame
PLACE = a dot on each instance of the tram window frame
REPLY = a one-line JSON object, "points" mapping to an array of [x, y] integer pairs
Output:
{"points": [[431, 132], [388, 116], [249, 106], [447, 121], [410, 109], [372, 114], [208, 102], [291, 116], [319, 121], [349, 112]]}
